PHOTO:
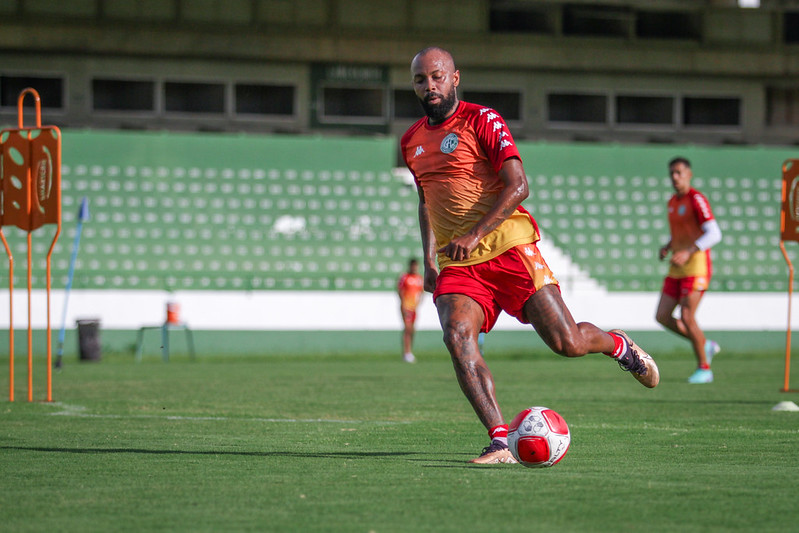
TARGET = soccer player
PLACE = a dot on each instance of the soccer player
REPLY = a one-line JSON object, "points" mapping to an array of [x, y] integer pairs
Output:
{"points": [[693, 232], [409, 288], [479, 244]]}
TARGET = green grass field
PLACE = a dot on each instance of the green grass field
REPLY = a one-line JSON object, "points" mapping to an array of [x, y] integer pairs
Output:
{"points": [[367, 443]]}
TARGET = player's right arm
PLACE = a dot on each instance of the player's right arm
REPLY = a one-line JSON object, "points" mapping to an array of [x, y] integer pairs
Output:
{"points": [[428, 245], [664, 250], [515, 191]]}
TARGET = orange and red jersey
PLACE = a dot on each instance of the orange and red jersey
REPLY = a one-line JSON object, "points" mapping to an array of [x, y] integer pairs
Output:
{"points": [[409, 287], [456, 164], [687, 213]]}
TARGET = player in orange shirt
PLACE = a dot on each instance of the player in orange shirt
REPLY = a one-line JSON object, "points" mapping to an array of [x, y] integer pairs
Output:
{"points": [[694, 231], [409, 288], [479, 244]]}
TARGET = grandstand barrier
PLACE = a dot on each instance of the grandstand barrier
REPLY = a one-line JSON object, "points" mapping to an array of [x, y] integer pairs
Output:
{"points": [[242, 220]]}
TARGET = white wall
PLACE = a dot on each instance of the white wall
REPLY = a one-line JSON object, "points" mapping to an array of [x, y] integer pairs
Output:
{"points": [[334, 310]]}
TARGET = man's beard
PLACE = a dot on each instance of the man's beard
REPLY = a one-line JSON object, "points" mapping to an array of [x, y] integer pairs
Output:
{"points": [[438, 112]]}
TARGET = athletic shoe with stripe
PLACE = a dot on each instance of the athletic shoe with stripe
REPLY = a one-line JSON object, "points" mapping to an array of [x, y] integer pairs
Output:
{"points": [[495, 453], [640, 364], [701, 376]]}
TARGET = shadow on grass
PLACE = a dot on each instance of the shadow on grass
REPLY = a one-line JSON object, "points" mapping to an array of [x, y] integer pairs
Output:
{"points": [[429, 463], [323, 455]]}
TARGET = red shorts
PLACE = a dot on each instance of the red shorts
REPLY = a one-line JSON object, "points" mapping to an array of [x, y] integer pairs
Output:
{"points": [[678, 288], [503, 283]]}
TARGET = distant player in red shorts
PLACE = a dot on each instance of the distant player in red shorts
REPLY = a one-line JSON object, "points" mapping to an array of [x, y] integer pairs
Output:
{"points": [[409, 288], [693, 232], [479, 244]]}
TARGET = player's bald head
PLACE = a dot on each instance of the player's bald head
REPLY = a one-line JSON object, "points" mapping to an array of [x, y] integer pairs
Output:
{"points": [[435, 83], [435, 55]]}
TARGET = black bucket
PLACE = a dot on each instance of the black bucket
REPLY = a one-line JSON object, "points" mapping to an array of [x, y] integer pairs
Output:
{"points": [[89, 339]]}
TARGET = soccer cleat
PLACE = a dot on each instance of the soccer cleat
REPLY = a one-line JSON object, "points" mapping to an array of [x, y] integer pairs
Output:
{"points": [[641, 365], [493, 454], [701, 376], [711, 349], [409, 358]]}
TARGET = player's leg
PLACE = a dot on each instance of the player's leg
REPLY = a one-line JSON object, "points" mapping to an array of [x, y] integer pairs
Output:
{"points": [[461, 319], [686, 326], [665, 315], [552, 320], [689, 303], [688, 306], [407, 336]]}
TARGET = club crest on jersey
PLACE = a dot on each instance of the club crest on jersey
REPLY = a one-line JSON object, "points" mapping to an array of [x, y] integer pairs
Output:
{"points": [[681, 210], [449, 143]]}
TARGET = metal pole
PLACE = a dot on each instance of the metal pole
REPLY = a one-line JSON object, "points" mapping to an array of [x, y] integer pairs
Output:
{"points": [[83, 214]]}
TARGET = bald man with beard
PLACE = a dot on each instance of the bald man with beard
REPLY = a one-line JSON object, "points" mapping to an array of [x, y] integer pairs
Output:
{"points": [[479, 244]]}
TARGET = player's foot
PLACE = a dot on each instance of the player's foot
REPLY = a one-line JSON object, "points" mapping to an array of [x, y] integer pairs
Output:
{"points": [[639, 363], [701, 376], [409, 358], [493, 454], [711, 349]]}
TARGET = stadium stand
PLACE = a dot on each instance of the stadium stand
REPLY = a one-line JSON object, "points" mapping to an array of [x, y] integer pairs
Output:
{"points": [[609, 212], [233, 213], [230, 212]]}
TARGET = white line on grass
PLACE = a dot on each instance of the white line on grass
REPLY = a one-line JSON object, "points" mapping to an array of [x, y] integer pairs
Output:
{"points": [[79, 411], [675, 430]]}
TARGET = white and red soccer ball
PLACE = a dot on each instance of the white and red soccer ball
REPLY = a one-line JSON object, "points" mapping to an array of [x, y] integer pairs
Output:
{"points": [[538, 437]]}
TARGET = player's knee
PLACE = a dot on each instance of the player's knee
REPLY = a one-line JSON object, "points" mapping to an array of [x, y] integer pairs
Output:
{"points": [[568, 346], [457, 335], [687, 315], [662, 317]]}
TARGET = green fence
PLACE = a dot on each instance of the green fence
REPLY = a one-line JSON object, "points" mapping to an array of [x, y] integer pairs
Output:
{"points": [[229, 212], [605, 205]]}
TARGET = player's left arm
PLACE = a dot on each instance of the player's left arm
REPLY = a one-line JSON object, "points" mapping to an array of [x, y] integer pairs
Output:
{"points": [[711, 235], [512, 195]]}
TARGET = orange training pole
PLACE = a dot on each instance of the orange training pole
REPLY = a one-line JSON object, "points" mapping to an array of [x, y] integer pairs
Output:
{"points": [[20, 124], [57, 165], [30, 316], [30, 176], [786, 387], [789, 231], [10, 317]]}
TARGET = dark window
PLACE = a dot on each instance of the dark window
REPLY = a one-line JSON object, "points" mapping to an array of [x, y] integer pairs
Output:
{"points": [[50, 89], [258, 99], [782, 106], [667, 25], [700, 111], [791, 26], [522, 19], [123, 95], [406, 104], [644, 110], [592, 20], [194, 97], [508, 104], [588, 108], [352, 102]]}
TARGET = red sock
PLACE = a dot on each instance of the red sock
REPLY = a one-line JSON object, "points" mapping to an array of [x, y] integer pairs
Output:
{"points": [[704, 366], [499, 433], [619, 346]]}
